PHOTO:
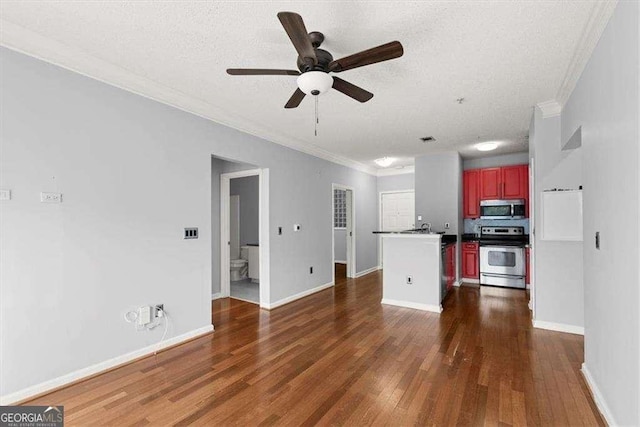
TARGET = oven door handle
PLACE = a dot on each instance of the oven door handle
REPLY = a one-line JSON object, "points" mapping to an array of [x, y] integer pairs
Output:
{"points": [[513, 210], [500, 275]]}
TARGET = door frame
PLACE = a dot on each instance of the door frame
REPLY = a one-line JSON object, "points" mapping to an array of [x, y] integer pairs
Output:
{"points": [[532, 237], [351, 227], [263, 232], [380, 194]]}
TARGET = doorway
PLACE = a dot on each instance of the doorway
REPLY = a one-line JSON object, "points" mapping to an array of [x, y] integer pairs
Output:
{"points": [[244, 236], [397, 213], [343, 235]]}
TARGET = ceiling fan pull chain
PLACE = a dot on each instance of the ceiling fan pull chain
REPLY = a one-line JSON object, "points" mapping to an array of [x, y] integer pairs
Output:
{"points": [[316, 122]]}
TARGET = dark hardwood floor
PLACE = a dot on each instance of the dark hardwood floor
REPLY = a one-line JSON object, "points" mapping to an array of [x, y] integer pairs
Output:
{"points": [[339, 357]]}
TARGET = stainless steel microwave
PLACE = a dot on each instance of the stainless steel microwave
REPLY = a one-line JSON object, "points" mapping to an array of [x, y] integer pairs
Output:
{"points": [[502, 209]]}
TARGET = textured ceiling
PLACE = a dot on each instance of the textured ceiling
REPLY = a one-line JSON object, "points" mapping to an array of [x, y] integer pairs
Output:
{"points": [[502, 57]]}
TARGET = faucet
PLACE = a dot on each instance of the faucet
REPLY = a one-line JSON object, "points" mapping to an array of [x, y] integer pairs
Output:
{"points": [[426, 225]]}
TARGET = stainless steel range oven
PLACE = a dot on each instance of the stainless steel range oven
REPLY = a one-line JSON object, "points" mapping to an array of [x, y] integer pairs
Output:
{"points": [[502, 256]]}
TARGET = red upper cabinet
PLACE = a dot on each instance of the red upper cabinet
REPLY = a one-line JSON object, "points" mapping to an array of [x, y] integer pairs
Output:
{"points": [[471, 193], [508, 182], [490, 183], [515, 182]]}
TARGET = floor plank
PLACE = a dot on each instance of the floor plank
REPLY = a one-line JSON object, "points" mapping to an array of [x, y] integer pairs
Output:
{"points": [[339, 357]]}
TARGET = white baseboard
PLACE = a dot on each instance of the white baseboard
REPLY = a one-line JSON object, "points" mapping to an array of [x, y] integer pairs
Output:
{"points": [[414, 305], [367, 271], [456, 284], [340, 262], [295, 297], [559, 327], [597, 397], [99, 367], [217, 295], [467, 280]]}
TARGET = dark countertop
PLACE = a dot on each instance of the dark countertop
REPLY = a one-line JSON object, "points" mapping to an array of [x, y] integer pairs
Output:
{"points": [[470, 237]]}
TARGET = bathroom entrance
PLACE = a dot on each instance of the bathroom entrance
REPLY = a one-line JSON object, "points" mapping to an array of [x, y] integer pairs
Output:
{"points": [[243, 261], [343, 236]]}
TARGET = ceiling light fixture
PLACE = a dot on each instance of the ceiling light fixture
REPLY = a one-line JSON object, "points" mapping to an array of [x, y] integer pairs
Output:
{"points": [[315, 82], [384, 162], [486, 146]]}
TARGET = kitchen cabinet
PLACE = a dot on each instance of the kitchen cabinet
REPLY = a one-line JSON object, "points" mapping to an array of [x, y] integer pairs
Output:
{"points": [[528, 262], [471, 193], [490, 183], [507, 182], [470, 261], [450, 265]]}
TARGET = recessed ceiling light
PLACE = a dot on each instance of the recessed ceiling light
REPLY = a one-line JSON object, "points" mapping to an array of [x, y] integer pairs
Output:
{"points": [[384, 162], [486, 146]]}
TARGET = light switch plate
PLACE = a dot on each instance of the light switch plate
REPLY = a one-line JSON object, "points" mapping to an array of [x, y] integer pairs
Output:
{"points": [[51, 197], [5, 194], [419, 217], [144, 317]]}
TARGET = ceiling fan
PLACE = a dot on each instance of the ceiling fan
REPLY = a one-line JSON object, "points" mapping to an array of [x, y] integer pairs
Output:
{"points": [[315, 64]]}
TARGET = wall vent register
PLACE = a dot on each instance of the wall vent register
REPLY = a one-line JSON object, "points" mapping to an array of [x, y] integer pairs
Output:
{"points": [[191, 233]]}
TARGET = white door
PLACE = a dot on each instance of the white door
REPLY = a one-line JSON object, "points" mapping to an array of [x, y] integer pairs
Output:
{"points": [[234, 227], [397, 213]]}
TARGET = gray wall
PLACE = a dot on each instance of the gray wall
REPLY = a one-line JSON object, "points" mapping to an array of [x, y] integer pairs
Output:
{"points": [[605, 102], [438, 189], [133, 173], [248, 188], [495, 161], [404, 181], [558, 286]]}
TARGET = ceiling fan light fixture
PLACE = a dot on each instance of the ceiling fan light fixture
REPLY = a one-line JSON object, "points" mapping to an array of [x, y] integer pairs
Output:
{"points": [[486, 146], [315, 82], [384, 162]]}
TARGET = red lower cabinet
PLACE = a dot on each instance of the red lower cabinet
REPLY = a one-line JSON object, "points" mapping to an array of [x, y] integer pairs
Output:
{"points": [[470, 262], [528, 278]]}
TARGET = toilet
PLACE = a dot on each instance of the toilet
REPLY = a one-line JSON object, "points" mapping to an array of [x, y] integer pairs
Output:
{"points": [[240, 267]]}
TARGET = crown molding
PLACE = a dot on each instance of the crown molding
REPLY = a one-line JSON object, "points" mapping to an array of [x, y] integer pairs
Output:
{"points": [[600, 15], [394, 171], [550, 108], [25, 41]]}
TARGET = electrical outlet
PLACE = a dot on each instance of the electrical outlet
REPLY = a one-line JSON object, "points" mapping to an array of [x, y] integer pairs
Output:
{"points": [[159, 310], [296, 227], [51, 197], [419, 217], [446, 225], [5, 194], [310, 270], [409, 280]]}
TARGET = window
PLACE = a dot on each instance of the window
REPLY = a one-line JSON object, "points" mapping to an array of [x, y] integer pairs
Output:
{"points": [[339, 208]]}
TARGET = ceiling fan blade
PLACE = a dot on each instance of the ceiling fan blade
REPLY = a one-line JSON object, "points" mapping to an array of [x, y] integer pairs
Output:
{"points": [[295, 99], [297, 32], [381, 53], [261, 72], [351, 90]]}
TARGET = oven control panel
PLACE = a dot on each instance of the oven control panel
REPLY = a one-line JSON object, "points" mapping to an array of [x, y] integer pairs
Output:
{"points": [[502, 231]]}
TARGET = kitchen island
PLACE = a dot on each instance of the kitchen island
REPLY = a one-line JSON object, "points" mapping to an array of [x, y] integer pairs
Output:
{"points": [[412, 274]]}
